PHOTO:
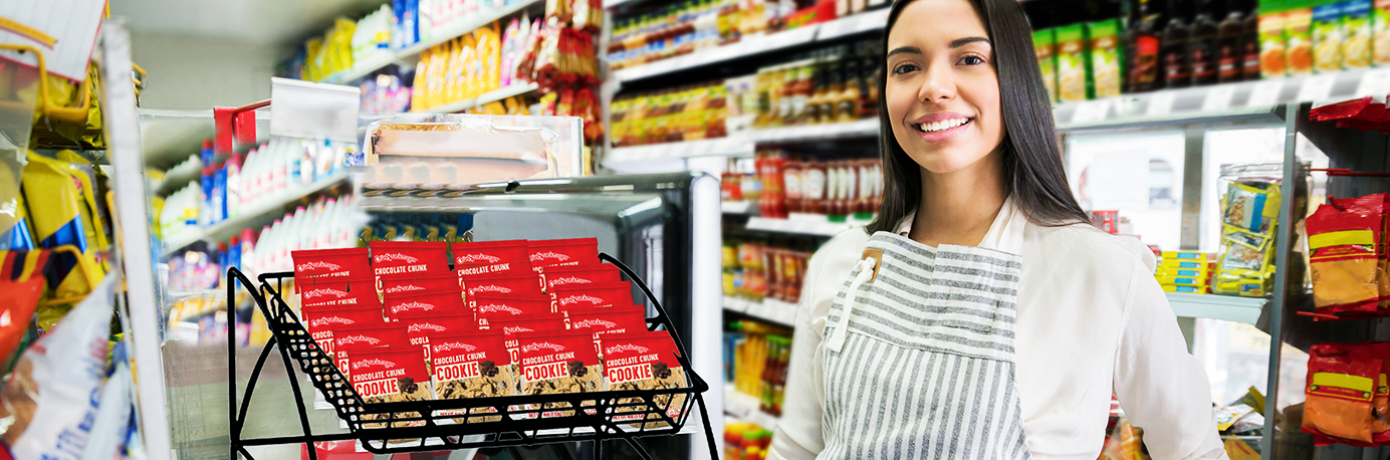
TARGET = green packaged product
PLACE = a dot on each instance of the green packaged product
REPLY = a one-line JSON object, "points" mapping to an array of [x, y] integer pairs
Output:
{"points": [[1298, 22], [1327, 36], [1045, 46], [1380, 30], [1071, 63], [1357, 33], [1273, 43], [1105, 57]]}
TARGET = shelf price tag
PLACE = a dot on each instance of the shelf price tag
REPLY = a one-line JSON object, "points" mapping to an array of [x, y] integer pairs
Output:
{"points": [[1218, 98], [1161, 103], [1091, 112], [1374, 83], [1316, 88], [1265, 93]]}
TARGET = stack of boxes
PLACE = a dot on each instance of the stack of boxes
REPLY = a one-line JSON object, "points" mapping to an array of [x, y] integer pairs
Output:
{"points": [[1185, 271]]}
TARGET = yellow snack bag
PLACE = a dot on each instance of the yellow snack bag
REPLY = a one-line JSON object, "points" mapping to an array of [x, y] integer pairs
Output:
{"points": [[69, 216]]}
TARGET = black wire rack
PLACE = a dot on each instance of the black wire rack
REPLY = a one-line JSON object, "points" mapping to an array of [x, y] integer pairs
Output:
{"points": [[436, 425]]}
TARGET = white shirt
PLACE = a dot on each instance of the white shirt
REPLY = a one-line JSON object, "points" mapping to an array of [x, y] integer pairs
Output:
{"points": [[1092, 322]]}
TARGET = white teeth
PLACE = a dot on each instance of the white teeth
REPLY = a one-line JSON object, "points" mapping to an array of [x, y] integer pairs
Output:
{"points": [[942, 125]]}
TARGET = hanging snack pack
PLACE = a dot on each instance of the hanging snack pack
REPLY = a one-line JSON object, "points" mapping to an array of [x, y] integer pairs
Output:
{"points": [[491, 257], [644, 361], [428, 302], [391, 375], [69, 215], [597, 294], [509, 284], [490, 306], [21, 279], [1343, 259], [408, 257], [1376, 201], [471, 366], [348, 340], [1380, 402], [554, 363], [1341, 387]]}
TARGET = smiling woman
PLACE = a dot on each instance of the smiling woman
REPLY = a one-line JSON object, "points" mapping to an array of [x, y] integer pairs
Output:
{"points": [[981, 316]]}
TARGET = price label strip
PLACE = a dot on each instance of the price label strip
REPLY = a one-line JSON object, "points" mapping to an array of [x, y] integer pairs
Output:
{"points": [[1091, 112], [1219, 98], [1375, 83], [1265, 93], [1160, 104], [1316, 88]]}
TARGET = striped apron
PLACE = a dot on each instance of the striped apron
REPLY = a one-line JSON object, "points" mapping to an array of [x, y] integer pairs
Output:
{"points": [[918, 356]]}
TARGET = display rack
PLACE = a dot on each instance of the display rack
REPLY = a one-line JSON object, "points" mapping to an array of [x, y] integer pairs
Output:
{"points": [[746, 407], [491, 422]]}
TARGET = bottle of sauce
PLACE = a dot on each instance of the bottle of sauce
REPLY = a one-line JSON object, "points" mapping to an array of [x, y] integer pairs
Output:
{"points": [[1173, 46], [1142, 42], [817, 98], [847, 105], [1230, 51], [1250, 41], [834, 87], [1202, 45]]}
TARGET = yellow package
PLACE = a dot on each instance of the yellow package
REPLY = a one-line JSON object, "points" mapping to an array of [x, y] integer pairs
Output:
{"points": [[1237, 449], [419, 85], [68, 216], [466, 52], [1184, 289], [15, 232], [1164, 272], [1184, 256], [489, 58], [1186, 264], [1198, 281], [1251, 208]]}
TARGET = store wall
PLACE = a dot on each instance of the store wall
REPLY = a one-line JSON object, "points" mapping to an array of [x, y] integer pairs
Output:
{"points": [[187, 72]]}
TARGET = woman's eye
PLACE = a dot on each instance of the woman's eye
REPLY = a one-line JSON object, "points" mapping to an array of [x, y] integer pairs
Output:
{"points": [[905, 68], [972, 60]]}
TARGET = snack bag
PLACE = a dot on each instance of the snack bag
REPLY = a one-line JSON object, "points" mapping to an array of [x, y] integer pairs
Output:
{"points": [[1380, 402], [580, 274], [576, 251], [67, 214], [419, 327], [1105, 57], [1250, 208], [555, 363], [391, 375], [427, 302], [1382, 270], [407, 283], [1380, 30], [408, 257], [491, 306], [1356, 51], [471, 366], [495, 257], [1298, 22], [1341, 385], [1343, 259], [364, 338], [597, 294], [1327, 35], [21, 279], [1045, 46], [322, 321], [510, 327], [1071, 63], [1273, 43], [48, 402], [510, 284], [603, 321], [346, 262], [644, 361]]}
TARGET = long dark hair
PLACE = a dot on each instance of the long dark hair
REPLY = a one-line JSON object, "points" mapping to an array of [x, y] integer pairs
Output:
{"points": [[1032, 158]]}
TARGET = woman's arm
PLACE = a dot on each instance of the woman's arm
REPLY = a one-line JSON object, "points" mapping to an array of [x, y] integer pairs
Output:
{"points": [[1161, 387]]}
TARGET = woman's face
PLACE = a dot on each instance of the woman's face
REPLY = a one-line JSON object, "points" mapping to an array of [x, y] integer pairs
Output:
{"points": [[943, 89]]}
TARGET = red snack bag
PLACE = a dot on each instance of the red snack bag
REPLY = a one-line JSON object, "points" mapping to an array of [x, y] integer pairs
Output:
{"points": [[509, 284], [1341, 384], [644, 361], [1376, 201], [407, 283], [420, 326], [390, 375], [471, 366], [580, 274], [603, 321], [510, 327], [491, 306], [322, 321], [363, 337], [1343, 240], [22, 281], [554, 363], [597, 294], [1380, 402], [491, 257], [345, 262], [428, 302], [1341, 110], [576, 251]]}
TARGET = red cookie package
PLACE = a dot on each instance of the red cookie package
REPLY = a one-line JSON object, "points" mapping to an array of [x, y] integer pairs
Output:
{"points": [[556, 363], [580, 274], [420, 326], [471, 366], [428, 302], [408, 257], [345, 262], [391, 375], [575, 251], [597, 295], [510, 284], [490, 306], [644, 361], [491, 257], [408, 283], [348, 340], [603, 321]]}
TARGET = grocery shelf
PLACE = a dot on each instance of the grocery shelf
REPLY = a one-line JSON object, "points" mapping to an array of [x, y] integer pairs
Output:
{"points": [[410, 53], [485, 98], [224, 230], [804, 224], [730, 146], [1222, 307], [770, 310], [859, 128], [739, 207], [758, 44], [745, 407]]}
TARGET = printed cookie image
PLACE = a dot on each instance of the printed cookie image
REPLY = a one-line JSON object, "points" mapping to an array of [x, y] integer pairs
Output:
{"points": [[390, 376], [492, 381], [645, 361], [556, 363], [471, 366]]}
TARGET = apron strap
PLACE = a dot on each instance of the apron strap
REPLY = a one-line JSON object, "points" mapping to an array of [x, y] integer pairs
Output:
{"points": [[865, 268]]}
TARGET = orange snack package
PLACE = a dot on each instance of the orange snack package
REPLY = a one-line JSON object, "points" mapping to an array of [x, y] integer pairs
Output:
{"points": [[1382, 264], [1343, 241], [1341, 385], [1380, 402]]}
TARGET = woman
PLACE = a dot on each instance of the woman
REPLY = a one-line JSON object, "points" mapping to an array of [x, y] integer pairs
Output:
{"points": [[981, 316]]}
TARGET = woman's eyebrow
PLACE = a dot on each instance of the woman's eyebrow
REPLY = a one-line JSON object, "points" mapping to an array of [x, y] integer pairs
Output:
{"points": [[959, 42], [905, 49]]}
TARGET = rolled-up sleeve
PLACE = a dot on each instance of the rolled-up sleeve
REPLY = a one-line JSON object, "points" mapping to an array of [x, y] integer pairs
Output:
{"points": [[1162, 388]]}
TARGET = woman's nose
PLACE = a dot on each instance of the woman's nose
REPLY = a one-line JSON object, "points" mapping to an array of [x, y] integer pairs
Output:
{"points": [[937, 86]]}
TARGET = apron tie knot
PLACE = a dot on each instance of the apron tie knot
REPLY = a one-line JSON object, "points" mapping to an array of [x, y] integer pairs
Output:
{"points": [[865, 268]]}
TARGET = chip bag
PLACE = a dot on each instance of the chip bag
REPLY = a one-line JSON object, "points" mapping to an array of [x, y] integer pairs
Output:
{"points": [[21, 279], [556, 363], [1380, 402], [1343, 258], [1341, 385], [471, 366], [68, 214], [644, 361]]}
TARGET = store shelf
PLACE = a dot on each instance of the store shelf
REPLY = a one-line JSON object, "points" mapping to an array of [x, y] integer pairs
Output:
{"points": [[860, 128], [745, 407], [730, 146], [1222, 307], [739, 207], [485, 98], [230, 227], [770, 310], [802, 224], [411, 53]]}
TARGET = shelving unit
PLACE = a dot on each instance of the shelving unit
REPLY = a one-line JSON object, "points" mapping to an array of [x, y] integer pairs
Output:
{"points": [[411, 54], [769, 310], [739, 207], [804, 224], [485, 98], [223, 230], [1226, 308], [745, 407]]}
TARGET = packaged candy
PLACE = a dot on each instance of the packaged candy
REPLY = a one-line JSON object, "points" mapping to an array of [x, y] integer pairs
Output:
{"points": [[361, 338], [1341, 386], [428, 302], [1343, 258], [471, 366], [580, 274], [346, 262], [555, 363], [391, 375], [490, 306], [494, 257], [1250, 208], [644, 361], [21, 279], [576, 251], [597, 294]]}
